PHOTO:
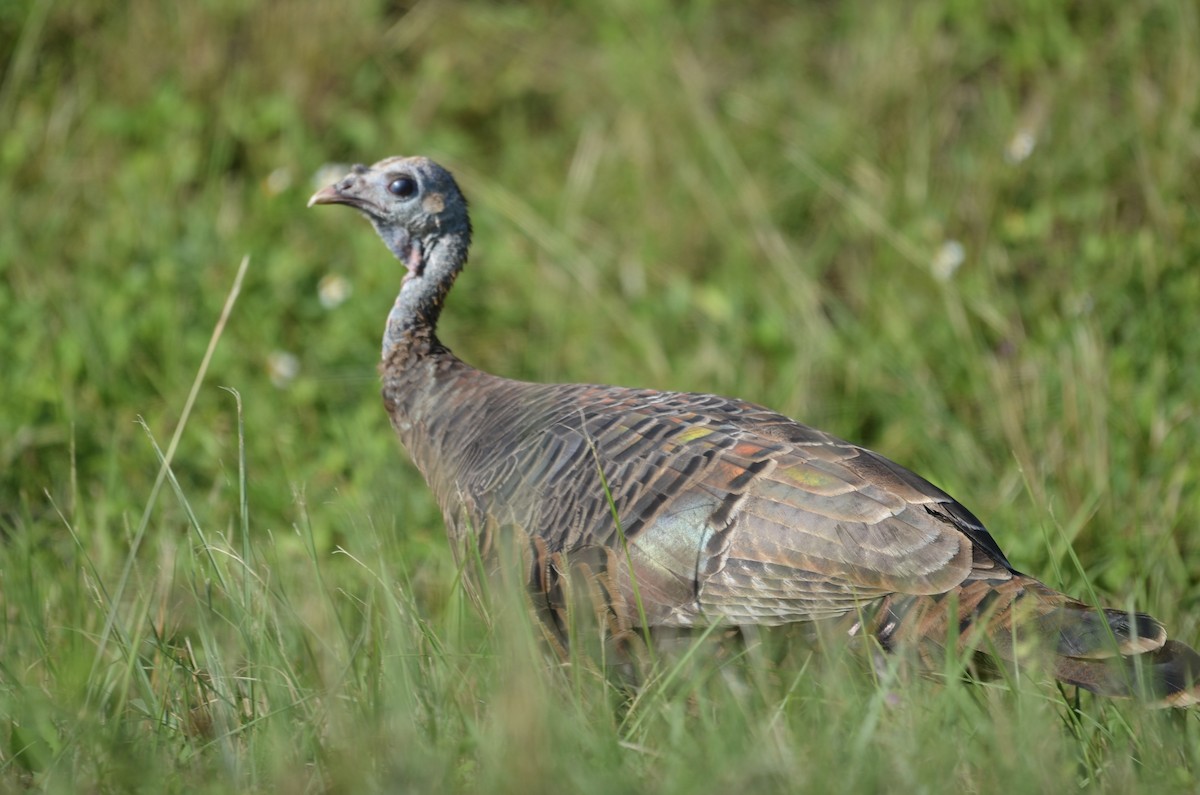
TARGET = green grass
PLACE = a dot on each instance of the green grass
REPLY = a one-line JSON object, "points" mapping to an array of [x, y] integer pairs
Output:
{"points": [[737, 198]]}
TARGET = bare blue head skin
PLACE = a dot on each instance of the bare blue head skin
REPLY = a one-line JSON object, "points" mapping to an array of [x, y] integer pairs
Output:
{"points": [[421, 215]]}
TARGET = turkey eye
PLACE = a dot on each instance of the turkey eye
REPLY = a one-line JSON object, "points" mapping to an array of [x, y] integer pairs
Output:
{"points": [[404, 187]]}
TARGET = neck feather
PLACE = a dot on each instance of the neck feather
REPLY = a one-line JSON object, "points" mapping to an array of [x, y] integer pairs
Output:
{"points": [[434, 265]]}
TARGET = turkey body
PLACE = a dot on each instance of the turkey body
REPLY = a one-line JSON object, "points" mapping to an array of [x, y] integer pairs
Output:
{"points": [[690, 509], [731, 512]]}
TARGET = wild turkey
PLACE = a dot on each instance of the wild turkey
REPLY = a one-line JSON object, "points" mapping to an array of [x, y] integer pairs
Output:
{"points": [[725, 511]]}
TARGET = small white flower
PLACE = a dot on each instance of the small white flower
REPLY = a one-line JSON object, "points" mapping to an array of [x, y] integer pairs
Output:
{"points": [[333, 289], [278, 181], [949, 257], [1020, 146], [283, 367], [329, 174]]}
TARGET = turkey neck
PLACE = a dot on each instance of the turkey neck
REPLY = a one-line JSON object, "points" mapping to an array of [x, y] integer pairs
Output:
{"points": [[433, 263], [422, 380]]}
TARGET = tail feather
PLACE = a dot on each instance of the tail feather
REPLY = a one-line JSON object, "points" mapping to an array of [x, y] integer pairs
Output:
{"points": [[1093, 632], [1168, 675], [1106, 651], [1079, 630]]}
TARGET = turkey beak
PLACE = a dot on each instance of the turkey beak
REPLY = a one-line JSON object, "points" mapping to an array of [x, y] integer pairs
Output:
{"points": [[328, 195], [346, 192]]}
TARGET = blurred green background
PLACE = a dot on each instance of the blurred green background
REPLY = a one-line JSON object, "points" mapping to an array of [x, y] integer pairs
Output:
{"points": [[963, 234]]}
